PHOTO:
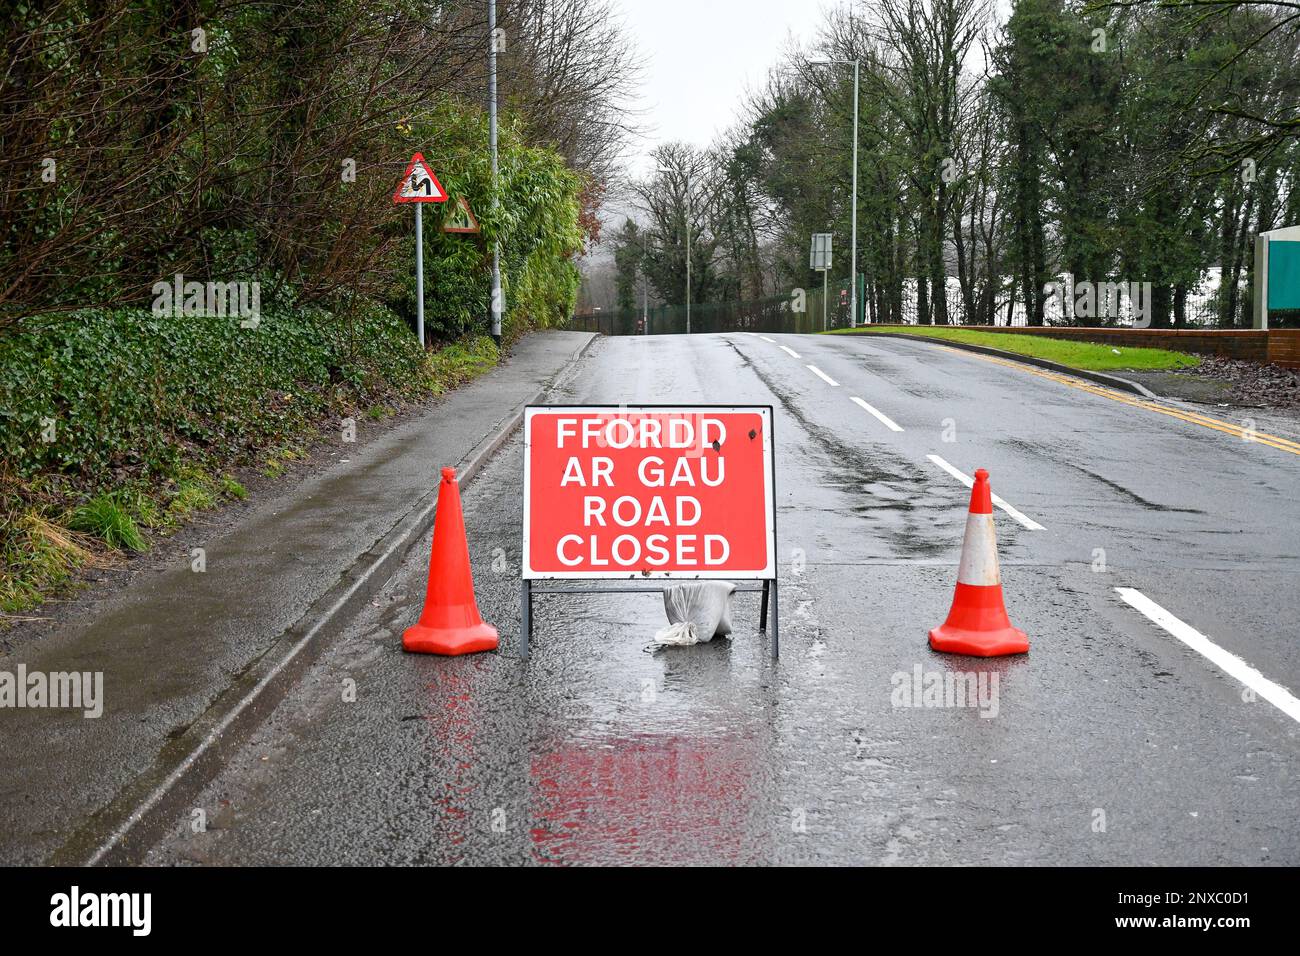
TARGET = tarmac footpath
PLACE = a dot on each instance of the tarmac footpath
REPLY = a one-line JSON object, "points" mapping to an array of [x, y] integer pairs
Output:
{"points": [[191, 662]]}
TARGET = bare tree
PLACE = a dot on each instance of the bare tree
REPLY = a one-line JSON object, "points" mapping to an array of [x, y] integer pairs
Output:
{"points": [[570, 70], [685, 194]]}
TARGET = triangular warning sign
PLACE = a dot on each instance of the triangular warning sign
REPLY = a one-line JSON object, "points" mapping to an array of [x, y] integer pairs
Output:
{"points": [[419, 184], [461, 219]]}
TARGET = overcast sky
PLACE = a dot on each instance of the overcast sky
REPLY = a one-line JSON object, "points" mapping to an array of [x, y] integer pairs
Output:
{"points": [[702, 56]]}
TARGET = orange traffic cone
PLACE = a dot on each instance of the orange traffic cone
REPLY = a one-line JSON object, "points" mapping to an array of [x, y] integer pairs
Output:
{"points": [[450, 623], [977, 623]]}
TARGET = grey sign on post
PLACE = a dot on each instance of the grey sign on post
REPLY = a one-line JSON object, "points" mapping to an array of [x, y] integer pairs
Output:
{"points": [[820, 257]]}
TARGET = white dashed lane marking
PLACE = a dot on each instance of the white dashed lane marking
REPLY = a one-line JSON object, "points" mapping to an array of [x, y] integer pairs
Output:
{"points": [[822, 375], [969, 482], [881, 416]]}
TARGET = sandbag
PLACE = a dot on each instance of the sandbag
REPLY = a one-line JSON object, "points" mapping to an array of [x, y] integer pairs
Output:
{"points": [[697, 612]]}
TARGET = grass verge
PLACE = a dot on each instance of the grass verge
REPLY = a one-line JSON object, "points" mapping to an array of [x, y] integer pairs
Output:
{"points": [[1090, 356]]}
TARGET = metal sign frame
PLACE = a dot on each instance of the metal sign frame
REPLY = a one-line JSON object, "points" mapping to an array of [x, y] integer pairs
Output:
{"points": [[819, 255], [532, 582]]}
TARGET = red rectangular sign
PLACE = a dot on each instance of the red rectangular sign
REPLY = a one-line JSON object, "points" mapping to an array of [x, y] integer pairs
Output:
{"points": [[648, 491]]}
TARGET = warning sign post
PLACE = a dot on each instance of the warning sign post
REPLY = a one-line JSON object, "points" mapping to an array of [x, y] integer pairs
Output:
{"points": [[635, 493], [419, 186]]}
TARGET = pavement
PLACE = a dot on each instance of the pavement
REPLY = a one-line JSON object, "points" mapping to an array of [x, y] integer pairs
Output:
{"points": [[1119, 739], [172, 643]]}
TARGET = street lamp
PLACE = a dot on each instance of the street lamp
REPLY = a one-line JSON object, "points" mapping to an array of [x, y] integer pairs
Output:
{"points": [[492, 138], [853, 254], [665, 169], [645, 283]]}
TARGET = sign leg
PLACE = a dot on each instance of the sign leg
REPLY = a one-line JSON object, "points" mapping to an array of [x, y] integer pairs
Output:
{"points": [[762, 609], [776, 629], [525, 616]]}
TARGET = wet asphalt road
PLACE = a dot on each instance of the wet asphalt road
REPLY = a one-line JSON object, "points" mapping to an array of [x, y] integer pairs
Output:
{"points": [[1110, 743]]}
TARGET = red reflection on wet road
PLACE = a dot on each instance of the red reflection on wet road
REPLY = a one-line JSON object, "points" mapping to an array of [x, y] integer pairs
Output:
{"points": [[650, 799]]}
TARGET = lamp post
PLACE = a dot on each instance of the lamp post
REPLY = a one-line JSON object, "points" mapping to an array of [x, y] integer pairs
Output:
{"points": [[645, 285], [687, 178], [492, 139], [853, 253]]}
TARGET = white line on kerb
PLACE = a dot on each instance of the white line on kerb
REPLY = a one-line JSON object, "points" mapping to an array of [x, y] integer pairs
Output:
{"points": [[1229, 663], [966, 480], [884, 419], [822, 375], [788, 351], [766, 339]]}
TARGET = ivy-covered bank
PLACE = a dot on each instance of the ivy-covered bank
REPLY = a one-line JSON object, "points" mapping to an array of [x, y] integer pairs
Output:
{"points": [[118, 425]]}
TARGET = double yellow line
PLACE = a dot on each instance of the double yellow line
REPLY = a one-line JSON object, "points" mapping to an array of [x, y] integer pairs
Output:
{"points": [[1195, 418]]}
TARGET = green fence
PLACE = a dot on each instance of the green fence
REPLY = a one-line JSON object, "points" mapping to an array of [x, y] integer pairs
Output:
{"points": [[774, 314]]}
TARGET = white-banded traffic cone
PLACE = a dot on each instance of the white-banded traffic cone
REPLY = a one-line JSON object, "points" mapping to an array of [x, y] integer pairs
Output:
{"points": [[977, 623]]}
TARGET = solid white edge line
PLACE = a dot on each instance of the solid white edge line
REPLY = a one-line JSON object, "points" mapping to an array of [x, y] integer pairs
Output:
{"points": [[883, 418], [788, 351], [1229, 663], [822, 375], [766, 339], [969, 482]]}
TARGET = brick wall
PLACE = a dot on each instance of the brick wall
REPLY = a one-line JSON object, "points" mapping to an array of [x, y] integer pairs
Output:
{"points": [[1284, 347]]}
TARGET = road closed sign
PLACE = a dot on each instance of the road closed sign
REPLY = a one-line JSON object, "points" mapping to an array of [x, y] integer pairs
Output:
{"points": [[648, 491]]}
